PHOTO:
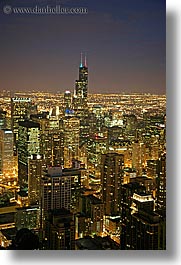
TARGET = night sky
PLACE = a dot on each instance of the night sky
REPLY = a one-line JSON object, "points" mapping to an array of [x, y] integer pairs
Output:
{"points": [[124, 41]]}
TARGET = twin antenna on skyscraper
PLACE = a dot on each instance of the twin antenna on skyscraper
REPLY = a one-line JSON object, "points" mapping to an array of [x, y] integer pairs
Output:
{"points": [[81, 60]]}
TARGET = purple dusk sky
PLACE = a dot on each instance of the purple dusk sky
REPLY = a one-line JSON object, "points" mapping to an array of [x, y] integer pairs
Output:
{"points": [[124, 41]]}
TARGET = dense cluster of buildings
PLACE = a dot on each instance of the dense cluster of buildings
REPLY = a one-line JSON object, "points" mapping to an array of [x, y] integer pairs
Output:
{"points": [[84, 171]]}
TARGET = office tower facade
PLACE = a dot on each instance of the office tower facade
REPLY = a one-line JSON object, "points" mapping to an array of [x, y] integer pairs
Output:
{"points": [[60, 230], [146, 226], [56, 190], [28, 144], [155, 147], [51, 139], [96, 146], [127, 191], [20, 111], [130, 126], [61, 189], [71, 126], [2, 119], [52, 147], [161, 186], [7, 158], [152, 169], [92, 213], [27, 217], [42, 119], [114, 133], [111, 180], [35, 172], [138, 156], [67, 102], [161, 198], [96, 120]]}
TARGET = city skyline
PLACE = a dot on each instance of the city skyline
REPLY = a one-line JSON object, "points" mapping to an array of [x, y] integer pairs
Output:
{"points": [[83, 125], [124, 43]]}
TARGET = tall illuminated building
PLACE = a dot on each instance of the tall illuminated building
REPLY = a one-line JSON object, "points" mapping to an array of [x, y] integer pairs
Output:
{"points": [[28, 144], [42, 119], [55, 191], [35, 171], [130, 126], [60, 188], [71, 126], [92, 212], [20, 111], [7, 158], [52, 147], [155, 147], [112, 178], [67, 101], [161, 198], [138, 156], [147, 229], [2, 119], [127, 191], [51, 139], [96, 120], [96, 146], [27, 217], [161, 186], [81, 85], [80, 105], [152, 168], [60, 230]]}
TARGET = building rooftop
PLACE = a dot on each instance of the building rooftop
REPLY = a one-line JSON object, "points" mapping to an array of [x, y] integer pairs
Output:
{"points": [[64, 172], [96, 243], [142, 197], [94, 200], [147, 218], [9, 233], [29, 124]]}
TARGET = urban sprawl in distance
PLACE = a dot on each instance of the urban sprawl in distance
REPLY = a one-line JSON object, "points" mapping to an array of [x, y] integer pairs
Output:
{"points": [[82, 171]]}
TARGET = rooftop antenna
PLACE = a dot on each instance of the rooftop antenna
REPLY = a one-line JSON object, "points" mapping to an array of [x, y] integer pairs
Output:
{"points": [[85, 62], [81, 59]]}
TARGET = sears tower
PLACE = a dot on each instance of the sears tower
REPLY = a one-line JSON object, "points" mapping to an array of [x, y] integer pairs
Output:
{"points": [[80, 99], [81, 85]]}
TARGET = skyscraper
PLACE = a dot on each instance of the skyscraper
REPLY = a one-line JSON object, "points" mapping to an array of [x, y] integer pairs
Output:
{"points": [[61, 189], [55, 190], [52, 147], [71, 126], [28, 144], [67, 102], [7, 159], [161, 186], [147, 228], [27, 217], [127, 191], [81, 85], [138, 156], [2, 119], [20, 111], [96, 146], [80, 105], [92, 209], [35, 169], [60, 230], [112, 177]]}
